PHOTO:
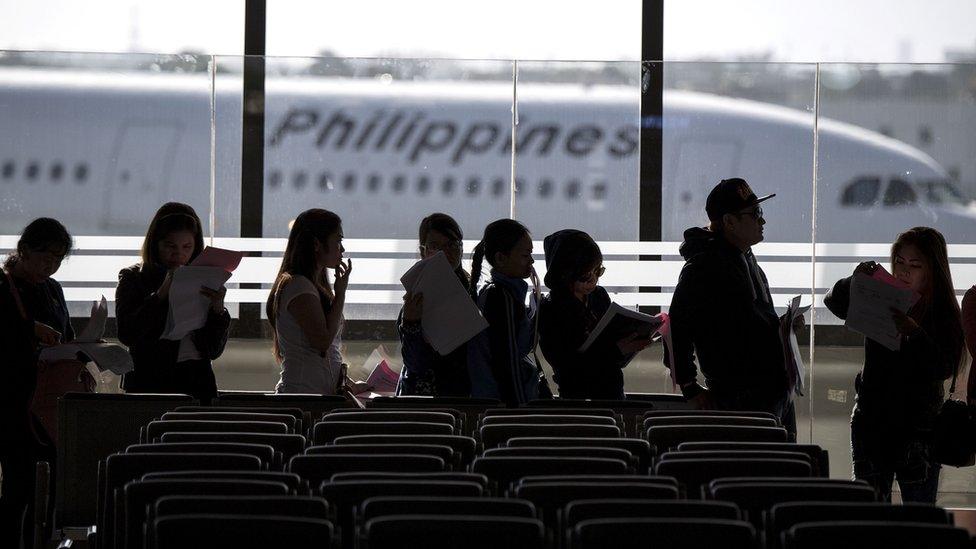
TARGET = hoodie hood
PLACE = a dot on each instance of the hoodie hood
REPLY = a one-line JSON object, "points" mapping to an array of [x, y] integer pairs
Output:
{"points": [[561, 248], [699, 240]]}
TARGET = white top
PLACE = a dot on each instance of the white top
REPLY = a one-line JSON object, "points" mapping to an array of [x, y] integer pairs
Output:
{"points": [[303, 368]]}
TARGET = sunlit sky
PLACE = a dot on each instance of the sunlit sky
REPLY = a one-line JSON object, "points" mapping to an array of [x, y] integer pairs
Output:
{"points": [[826, 30]]}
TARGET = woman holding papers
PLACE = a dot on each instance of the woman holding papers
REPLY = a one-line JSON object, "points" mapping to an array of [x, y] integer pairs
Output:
{"points": [[425, 371], [574, 306], [174, 239], [500, 359], [899, 392], [305, 311]]}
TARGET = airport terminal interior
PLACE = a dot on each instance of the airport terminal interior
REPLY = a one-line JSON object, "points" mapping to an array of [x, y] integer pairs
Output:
{"points": [[615, 121]]}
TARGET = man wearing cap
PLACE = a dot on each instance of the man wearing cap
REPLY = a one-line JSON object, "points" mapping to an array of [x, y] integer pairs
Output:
{"points": [[722, 312]]}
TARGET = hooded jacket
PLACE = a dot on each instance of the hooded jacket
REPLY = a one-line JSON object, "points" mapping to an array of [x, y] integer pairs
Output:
{"points": [[722, 314]]}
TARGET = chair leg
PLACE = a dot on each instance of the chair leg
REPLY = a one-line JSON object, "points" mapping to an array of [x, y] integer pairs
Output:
{"points": [[42, 498]]}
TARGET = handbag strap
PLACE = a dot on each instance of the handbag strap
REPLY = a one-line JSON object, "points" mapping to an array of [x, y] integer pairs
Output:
{"points": [[16, 294]]}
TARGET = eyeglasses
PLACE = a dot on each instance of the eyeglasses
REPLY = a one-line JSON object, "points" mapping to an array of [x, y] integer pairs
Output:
{"points": [[755, 214], [595, 273], [451, 246]]}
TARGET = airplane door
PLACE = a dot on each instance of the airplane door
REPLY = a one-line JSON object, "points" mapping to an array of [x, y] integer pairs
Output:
{"points": [[139, 175], [700, 164]]}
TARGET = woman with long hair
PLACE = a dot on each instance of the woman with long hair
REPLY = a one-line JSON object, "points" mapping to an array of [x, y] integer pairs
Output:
{"points": [[174, 239], [305, 310], [899, 392], [425, 371]]}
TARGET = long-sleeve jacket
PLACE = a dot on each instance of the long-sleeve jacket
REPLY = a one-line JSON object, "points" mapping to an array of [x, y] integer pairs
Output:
{"points": [[899, 392], [969, 327], [721, 313], [564, 325], [500, 361], [141, 318], [425, 371]]}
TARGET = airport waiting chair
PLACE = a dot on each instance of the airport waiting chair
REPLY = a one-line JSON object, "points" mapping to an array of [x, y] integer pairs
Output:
{"points": [[294, 425], [673, 533], [598, 478], [547, 419], [318, 468], [291, 480], [390, 416], [565, 451], [444, 532], [737, 454], [693, 474], [657, 421], [156, 429], [716, 413], [446, 453], [140, 494], [461, 424], [313, 405], [448, 476], [287, 445], [860, 534], [504, 470], [267, 454], [326, 432], [381, 506], [668, 437], [464, 447], [521, 411], [639, 448], [819, 458], [783, 516], [241, 532], [756, 496], [472, 408], [496, 435]]}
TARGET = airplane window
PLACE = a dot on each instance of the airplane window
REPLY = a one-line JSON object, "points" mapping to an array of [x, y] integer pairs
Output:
{"points": [[942, 192], [8, 169], [349, 182], [373, 184], [600, 191], [32, 170], [545, 188], [325, 182], [274, 179], [899, 193], [862, 193], [497, 187], [423, 184], [447, 186], [57, 170], [81, 173], [573, 189], [399, 183], [474, 186], [300, 180]]}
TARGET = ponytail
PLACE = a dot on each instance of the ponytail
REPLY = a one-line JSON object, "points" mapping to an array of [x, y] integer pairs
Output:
{"points": [[476, 259]]}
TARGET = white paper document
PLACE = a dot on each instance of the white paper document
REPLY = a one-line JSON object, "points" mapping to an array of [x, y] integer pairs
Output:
{"points": [[450, 317], [791, 349], [107, 356], [95, 328], [188, 308], [869, 311]]}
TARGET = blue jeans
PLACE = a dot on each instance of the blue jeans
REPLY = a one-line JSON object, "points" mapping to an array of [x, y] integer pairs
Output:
{"points": [[880, 463]]}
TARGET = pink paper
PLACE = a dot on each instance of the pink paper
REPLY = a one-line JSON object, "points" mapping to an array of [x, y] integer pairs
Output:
{"points": [[227, 260], [882, 275], [383, 379]]}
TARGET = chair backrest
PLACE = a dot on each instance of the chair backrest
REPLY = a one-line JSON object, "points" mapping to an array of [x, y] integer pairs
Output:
{"points": [[605, 412], [432, 505], [470, 407], [859, 534], [668, 437], [449, 476], [288, 444], [296, 413], [156, 429], [564, 451], [446, 453], [287, 419], [756, 496], [547, 419], [386, 416], [326, 432], [819, 457], [603, 479], [551, 497], [138, 494], [694, 473], [688, 419], [241, 531], [639, 448], [464, 447], [291, 480], [736, 454], [289, 506], [460, 418], [442, 532], [261, 451], [318, 468], [503, 470], [588, 509], [122, 468], [496, 435], [676, 533], [661, 401], [718, 413], [783, 516]]}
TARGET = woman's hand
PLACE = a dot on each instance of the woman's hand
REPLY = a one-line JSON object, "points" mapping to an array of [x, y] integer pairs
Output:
{"points": [[342, 272], [216, 297], [632, 344], [413, 307], [163, 291], [867, 267], [46, 335], [906, 325]]}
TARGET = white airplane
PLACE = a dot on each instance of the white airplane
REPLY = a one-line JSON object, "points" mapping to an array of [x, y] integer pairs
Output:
{"points": [[101, 151]]}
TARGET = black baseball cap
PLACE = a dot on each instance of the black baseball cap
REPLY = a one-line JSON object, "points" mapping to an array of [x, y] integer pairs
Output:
{"points": [[731, 196]]}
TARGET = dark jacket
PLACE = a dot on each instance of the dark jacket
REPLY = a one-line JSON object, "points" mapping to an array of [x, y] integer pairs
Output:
{"points": [[425, 372], [142, 318], [898, 392], [718, 315], [565, 324], [18, 362], [969, 328], [45, 303], [500, 360]]}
